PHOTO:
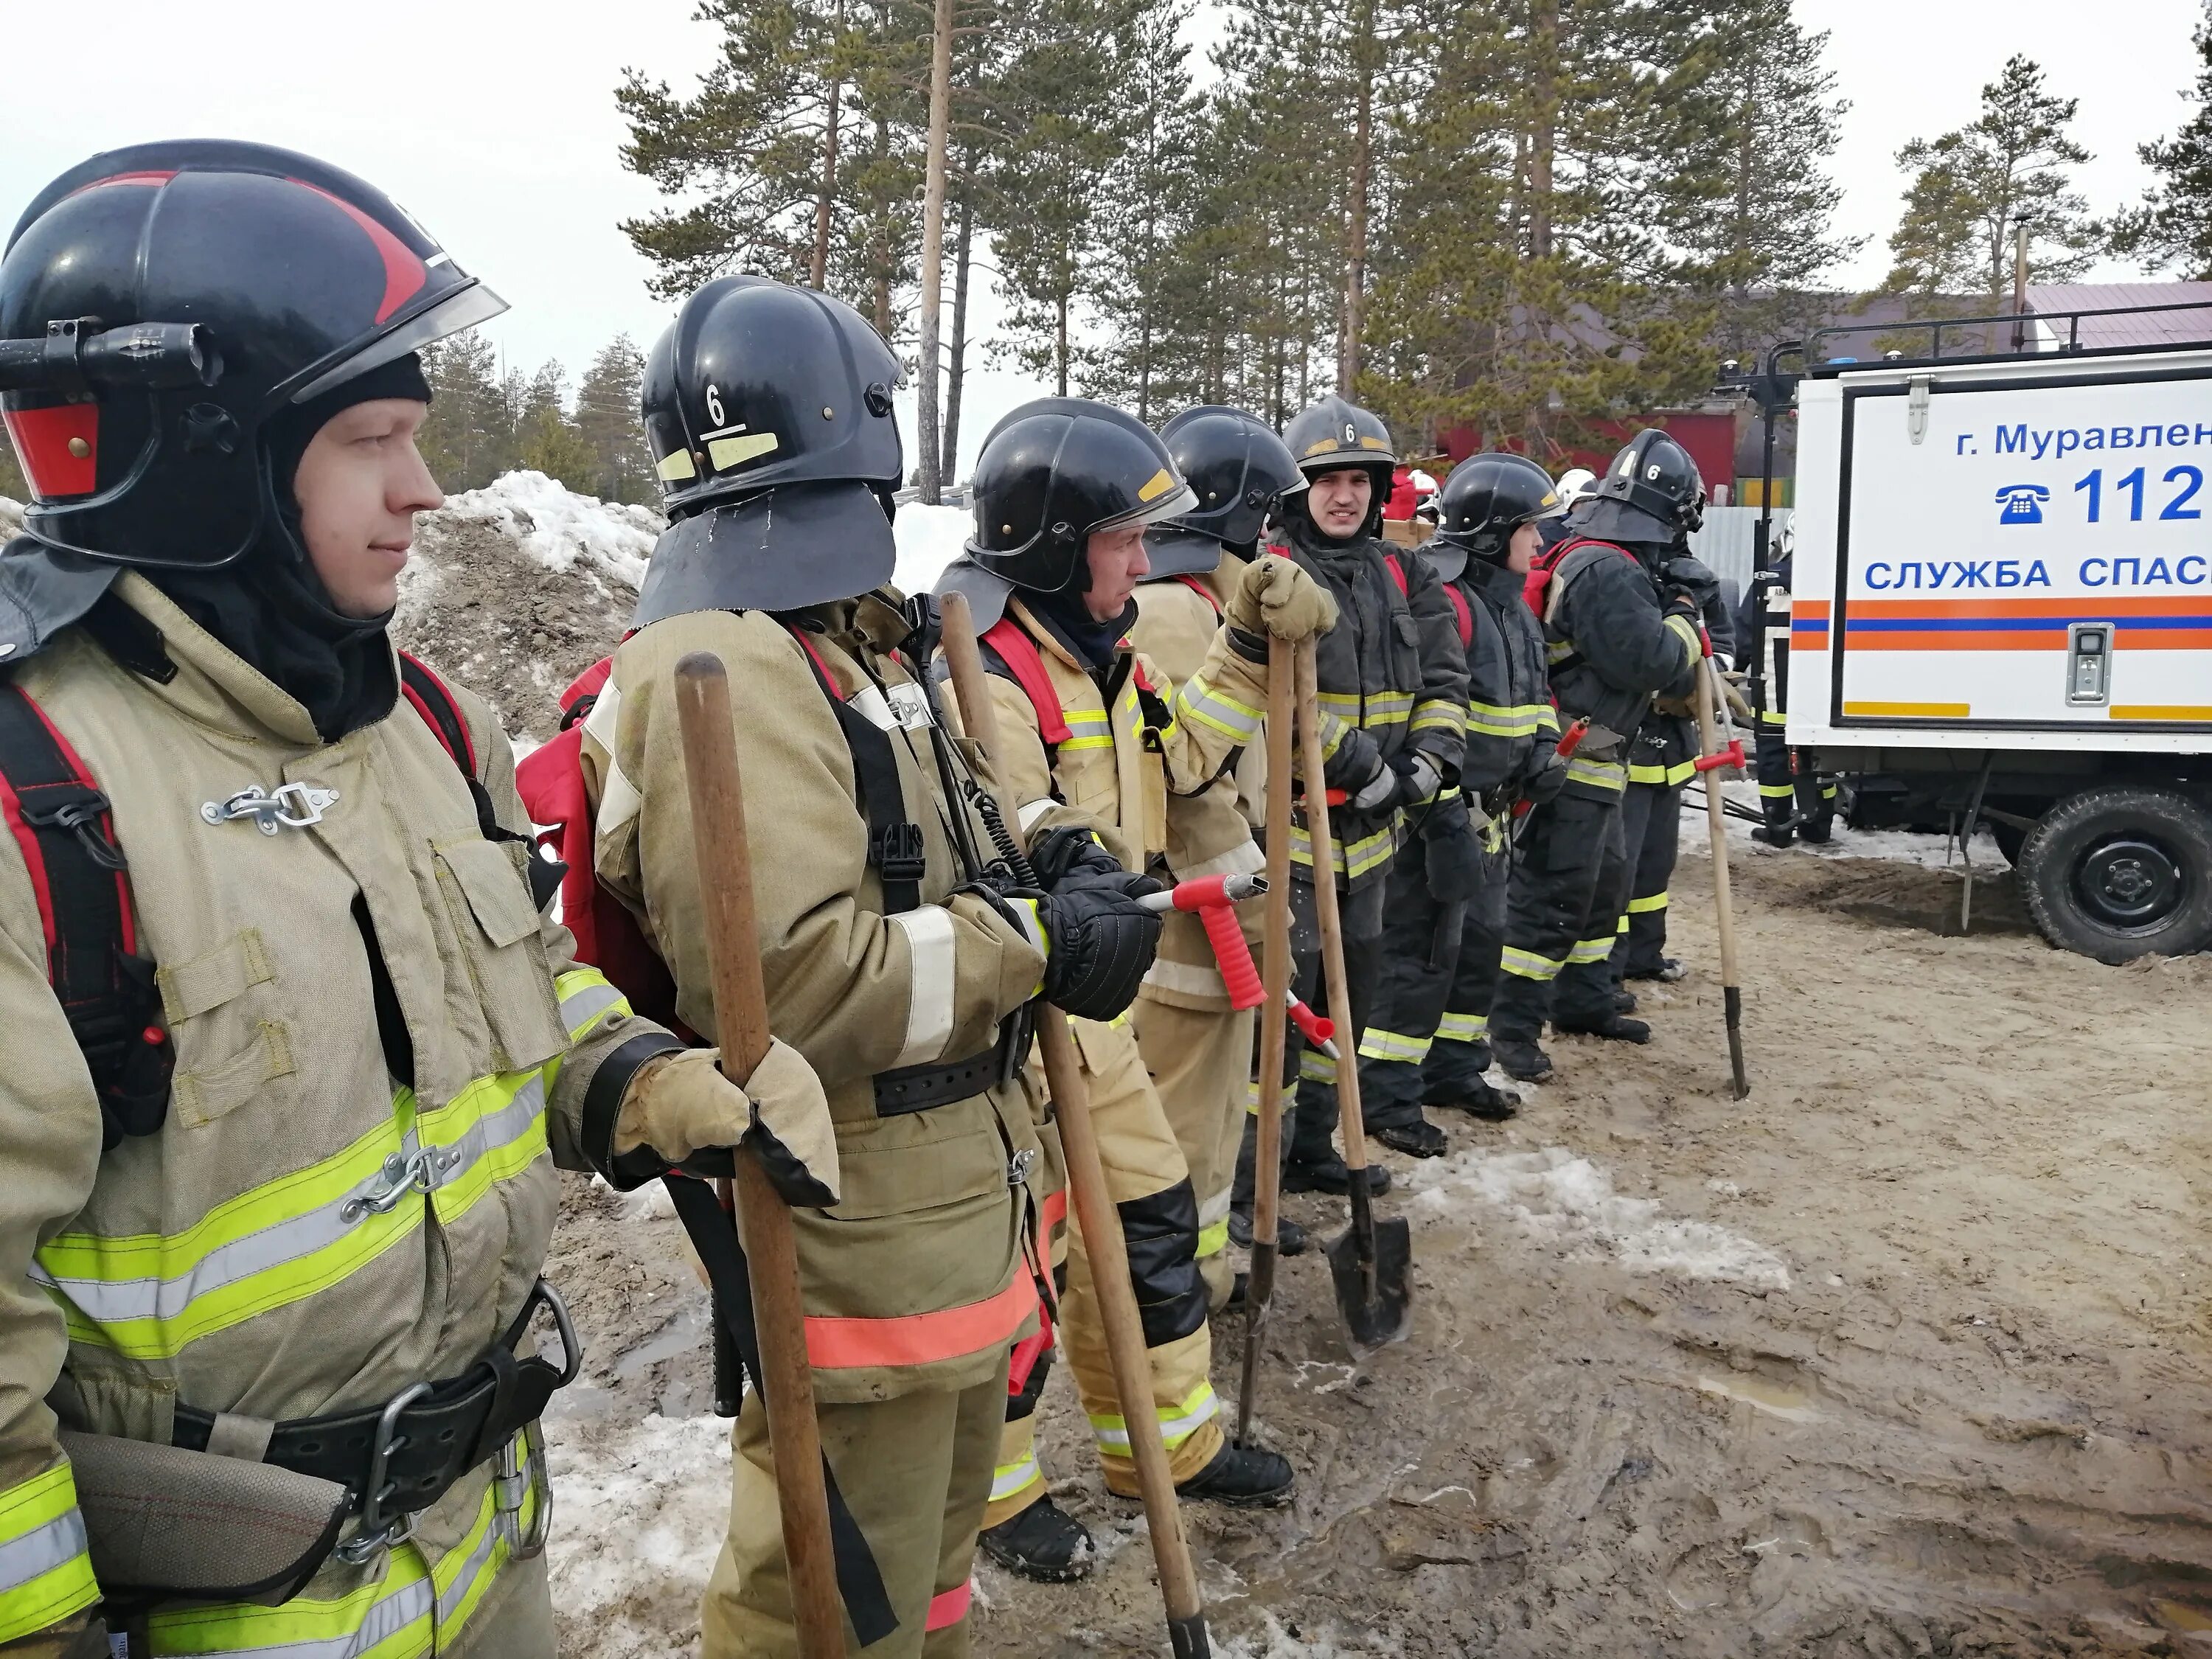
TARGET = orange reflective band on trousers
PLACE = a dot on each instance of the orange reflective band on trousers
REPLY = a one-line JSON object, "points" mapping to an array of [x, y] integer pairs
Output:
{"points": [[1052, 1212], [949, 1608], [834, 1344]]}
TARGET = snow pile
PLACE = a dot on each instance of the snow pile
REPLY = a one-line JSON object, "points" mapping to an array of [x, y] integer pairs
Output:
{"points": [[1569, 1202], [929, 538], [1276, 1643], [11, 517], [556, 527], [639, 1512]]}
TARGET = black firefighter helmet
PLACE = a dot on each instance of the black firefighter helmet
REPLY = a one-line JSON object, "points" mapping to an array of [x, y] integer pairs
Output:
{"points": [[767, 409], [1332, 434], [1239, 470], [1652, 494], [1051, 474], [1484, 501], [158, 305]]}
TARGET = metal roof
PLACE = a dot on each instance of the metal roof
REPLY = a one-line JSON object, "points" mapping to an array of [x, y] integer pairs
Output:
{"points": [[2151, 328]]}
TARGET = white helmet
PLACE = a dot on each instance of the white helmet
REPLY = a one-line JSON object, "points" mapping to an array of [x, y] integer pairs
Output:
{"points": [[1577, 482]]}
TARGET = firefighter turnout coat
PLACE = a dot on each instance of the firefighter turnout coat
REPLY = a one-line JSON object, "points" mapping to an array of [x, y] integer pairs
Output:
{"points": [[308, 1232]]}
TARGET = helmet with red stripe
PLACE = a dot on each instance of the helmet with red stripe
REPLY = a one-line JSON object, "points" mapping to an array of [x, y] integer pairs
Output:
{"points": [[160, 305]]}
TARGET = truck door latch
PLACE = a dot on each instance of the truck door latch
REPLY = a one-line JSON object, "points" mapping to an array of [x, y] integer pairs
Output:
{"points": [[1916, 408]]}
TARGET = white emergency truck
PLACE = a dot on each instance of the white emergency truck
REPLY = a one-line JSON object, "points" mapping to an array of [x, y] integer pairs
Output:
{"points": [[2001, 612]]}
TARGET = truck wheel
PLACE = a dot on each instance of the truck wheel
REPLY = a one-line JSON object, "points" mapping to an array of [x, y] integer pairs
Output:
{"points": [[2121, 872]]}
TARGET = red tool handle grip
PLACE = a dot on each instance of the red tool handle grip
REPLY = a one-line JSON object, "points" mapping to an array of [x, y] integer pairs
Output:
{"points": [[1231, 953], [1318, 1031], [1570, 740], [1731, 755]]}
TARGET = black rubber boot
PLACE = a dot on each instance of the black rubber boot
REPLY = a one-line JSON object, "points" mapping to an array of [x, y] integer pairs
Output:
{"points": [[1043, 1542], [1482, 1098], [1241, 1477], [1610, 1026], [1774, 837], [1419, 1138], [1331, 1175], [1289, 1237], [1817, 831], [1624, 1002], [1523, 1060], [1666, 972]]}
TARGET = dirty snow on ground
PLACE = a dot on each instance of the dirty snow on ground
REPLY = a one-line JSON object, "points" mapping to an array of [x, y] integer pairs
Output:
{"points": [[11, 517], [640, 1511], [929, 538], [1930, 852], [1570, 1203], [557, 527]]}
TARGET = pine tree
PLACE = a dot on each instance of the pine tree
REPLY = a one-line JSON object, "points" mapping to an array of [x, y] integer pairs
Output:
{"points": [[758, 150], [1972, 186], [607, 421], [468, 439], [2172, 229], [1061, 130]]}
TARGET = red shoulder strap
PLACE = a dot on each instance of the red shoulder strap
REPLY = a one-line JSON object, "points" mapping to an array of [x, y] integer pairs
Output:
{"points": [[1397, 573], [1466, 617], [1202, 590], [1018, 652], [434, 700]]}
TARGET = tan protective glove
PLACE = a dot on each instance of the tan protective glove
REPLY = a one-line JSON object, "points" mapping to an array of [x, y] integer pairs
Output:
{"points": [[1739, 705], [1274, 595], [683, 1104]]}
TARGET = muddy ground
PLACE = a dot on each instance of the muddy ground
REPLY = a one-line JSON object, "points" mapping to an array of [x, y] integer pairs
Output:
{"points": [[1907, 1354]]}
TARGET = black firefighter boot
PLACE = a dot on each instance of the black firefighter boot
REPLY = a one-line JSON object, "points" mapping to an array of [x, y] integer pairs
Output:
{"points": [[1044, 1542], [1478, 1097], [1610, 1025], [1242, 1477], [1289, 1237], [1523, 1061]]}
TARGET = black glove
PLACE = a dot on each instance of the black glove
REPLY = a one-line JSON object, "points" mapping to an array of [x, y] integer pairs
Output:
{"points": [[1102, 942], [1546, 780], [1356, 765], [1453, 853], [1684, 577], [1070, 850]]}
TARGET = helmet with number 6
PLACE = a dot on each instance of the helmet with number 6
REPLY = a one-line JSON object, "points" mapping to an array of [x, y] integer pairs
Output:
{"points": [[767, 409], [1652, 494]]}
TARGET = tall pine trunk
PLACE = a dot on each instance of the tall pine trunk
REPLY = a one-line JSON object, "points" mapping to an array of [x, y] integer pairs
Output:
{"points": [[1355, 250], [1543, 137], [1060, 339], [956, 369], [827, 193], [932, 250], [882, 238]]}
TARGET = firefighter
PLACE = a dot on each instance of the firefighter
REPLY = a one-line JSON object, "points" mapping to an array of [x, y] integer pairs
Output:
{"points": [[1392, 679], [1095, 740], [1661, 761], [893, 958], [1574, 484], [276, 1141], [1793, 803], [1197, 1048], [1445, 913], [1616, 631]]}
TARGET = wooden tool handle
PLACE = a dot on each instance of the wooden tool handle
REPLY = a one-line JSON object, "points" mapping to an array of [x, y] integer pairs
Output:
{"points": [[726, 896], [1275, 943], [1094, 1214], [1350, 1121], [1708, 704]]}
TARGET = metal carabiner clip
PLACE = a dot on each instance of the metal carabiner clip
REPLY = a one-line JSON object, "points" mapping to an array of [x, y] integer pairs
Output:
{"points": [[376, 1532]]}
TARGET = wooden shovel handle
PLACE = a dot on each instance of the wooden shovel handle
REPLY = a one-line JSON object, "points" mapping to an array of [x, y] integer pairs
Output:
{"points": [[1351, 1123], [726, 897]]}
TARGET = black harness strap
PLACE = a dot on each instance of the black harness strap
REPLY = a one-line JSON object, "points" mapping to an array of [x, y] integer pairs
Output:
{"points": [[714, 1236], [896, 847], [441, 712], [62, 823]]}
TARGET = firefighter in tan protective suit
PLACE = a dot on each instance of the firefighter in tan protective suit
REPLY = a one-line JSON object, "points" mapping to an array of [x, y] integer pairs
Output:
{"points": [[894, 960], [1097, 738], [1198, 1048], [291, 1051]]}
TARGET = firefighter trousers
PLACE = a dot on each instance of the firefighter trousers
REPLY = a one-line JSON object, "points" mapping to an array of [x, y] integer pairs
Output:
{"points": [[1650, 831], [1787, 794], [1568, 885], [1016, 1481], [1427, 1037], [1149, 1185], [1201, 1062], [916, 1470]]}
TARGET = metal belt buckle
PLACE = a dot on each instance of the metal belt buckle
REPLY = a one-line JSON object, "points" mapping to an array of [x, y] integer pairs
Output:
{"points": [[377, 1531], [572, 1350]]}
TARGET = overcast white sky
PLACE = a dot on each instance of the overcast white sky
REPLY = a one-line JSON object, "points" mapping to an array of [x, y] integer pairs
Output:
{"points": [[494, 121]]}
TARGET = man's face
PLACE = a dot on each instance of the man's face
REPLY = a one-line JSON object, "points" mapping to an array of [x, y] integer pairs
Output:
{"points": [[360, 486], [1520, 549], [1339, 500], [1118, 563]]}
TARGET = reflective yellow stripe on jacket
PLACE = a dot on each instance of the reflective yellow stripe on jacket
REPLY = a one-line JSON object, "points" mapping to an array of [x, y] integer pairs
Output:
{"points": [[413, 1610], [150, 1296], [45, 1574], [1495, 719]]}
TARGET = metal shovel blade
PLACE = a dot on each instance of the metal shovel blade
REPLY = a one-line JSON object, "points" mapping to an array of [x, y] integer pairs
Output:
{"points": [[1374, 1287]]}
